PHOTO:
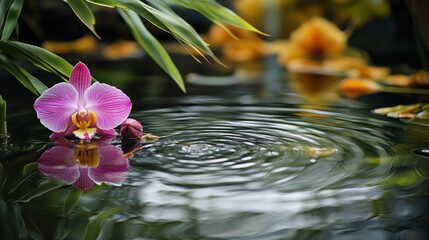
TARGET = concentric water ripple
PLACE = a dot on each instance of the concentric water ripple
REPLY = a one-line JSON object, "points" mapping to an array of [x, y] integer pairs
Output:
{"points": [[274, 173], [259, 148]]}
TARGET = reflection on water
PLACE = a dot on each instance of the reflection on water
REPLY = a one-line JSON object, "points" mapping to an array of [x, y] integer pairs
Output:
{"points": [[229, 165], [276, 173], [84, 163]]}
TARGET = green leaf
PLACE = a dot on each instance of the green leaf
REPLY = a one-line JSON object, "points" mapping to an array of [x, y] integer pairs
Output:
{"points": [[152, 46], [44, 187], [16, 71], [71, 201], [39, 57], [165, 19], [28, 171], [16, 219], [29, 81], [11, 19], [106, 3], [4, 6], [62, 232], [84, 13], [217, 13], [93, 228]]}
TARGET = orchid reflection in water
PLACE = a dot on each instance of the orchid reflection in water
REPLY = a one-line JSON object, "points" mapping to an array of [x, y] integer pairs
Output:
{"points": [[84, 163], [81, 109]]}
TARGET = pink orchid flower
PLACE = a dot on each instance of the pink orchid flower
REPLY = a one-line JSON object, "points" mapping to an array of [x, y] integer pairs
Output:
{"points": [[85, 164], [80, 108]]}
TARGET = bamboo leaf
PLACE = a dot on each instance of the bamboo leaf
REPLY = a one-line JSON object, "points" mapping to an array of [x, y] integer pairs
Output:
{"points": [[11, 19], [165, 19], [84, 13], [40, 87], [106, 3], [152, 46], [93, 228], [28, 171], [62, 232], [39, 57], [71, 201], [44, 187], [16, 71], [34, 84], [217, 13], [4, 6]]}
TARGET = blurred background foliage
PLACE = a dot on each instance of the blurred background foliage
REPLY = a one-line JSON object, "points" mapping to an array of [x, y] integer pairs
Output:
{"points": [[382, 28], [157, 13], [390, 33]]}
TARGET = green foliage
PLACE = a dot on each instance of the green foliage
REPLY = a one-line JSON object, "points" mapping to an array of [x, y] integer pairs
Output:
{"points": [[62, 231], [38, 56], [71, 201], [94, 226], [30, 82], [44, 187], [11, 18], [152, 46], [216, 13], [84, 13], [155, 11]]}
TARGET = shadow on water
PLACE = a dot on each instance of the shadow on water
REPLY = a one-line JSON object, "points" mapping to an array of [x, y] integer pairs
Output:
{"points": [[253, 157]]}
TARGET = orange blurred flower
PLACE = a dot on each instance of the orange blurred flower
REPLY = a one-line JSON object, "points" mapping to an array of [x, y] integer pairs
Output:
{"points": [[353, 87]]}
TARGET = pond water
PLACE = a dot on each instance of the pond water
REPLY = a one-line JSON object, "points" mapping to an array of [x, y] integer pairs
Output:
{"points": [[255, 157]]}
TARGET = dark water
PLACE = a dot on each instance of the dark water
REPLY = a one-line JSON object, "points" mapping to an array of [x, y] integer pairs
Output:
{"points": [[255, 158]]}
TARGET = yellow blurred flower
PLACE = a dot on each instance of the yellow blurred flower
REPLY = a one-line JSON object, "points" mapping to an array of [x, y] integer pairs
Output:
{"points": [[315, 39]]}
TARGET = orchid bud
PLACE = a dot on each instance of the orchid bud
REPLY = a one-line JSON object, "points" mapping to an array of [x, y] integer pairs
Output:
{"points": [[131, 129]]}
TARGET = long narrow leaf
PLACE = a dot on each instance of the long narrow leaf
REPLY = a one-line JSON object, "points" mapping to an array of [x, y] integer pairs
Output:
{"points": [[39, 85], [28, 171], [43, 188], [94, 226], [16, 71], [4, 6], [106, 3], [39, 57], [11, 19], [217, 13], [172, 23], [28, 80], [71, 201], [84, 13], [152, 46], [191, 37], [62, 231]]}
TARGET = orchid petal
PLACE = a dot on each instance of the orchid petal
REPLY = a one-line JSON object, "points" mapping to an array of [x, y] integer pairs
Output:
{"points": [[107, 133], [55, 136], [56, 105], [58, 162], [83, 182], [80, 78], [112, 167], [110, 105]]}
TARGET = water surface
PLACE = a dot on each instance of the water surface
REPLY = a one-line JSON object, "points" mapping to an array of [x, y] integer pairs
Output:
{"points": [[256, 160]]}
